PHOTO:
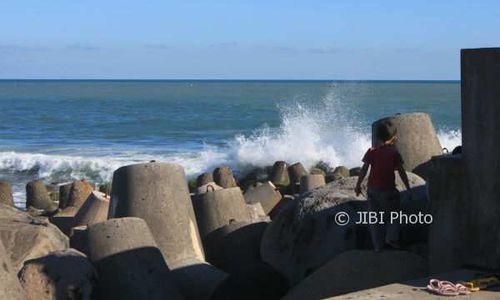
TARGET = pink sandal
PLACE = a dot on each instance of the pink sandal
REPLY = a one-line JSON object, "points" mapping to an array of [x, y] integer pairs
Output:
{"points": [[445, 288], [462, 289]]}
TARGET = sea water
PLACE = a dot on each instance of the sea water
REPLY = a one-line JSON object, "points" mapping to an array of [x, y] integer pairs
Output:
{"points": [[61, 130]]}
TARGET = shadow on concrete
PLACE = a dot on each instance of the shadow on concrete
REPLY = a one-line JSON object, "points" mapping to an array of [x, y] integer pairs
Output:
{"points": [[135, 274], [235, 249]]}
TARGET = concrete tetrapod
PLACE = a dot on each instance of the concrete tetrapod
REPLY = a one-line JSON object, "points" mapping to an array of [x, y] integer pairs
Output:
{"points": [[279, 175], [158, 193], [79, 193], [203, 179], [209, 186], [417, 140], [37, 196], [266, 194], [235, 248], [6, 193], [224, 177], [128, 262], [10, 287], [296, 171], [64, 219], [256, 212], [94, 210], [310, 182], [216, 209], [198, 280]]}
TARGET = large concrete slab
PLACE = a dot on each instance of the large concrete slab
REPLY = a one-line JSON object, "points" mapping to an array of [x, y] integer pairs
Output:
{"points": [[415, 289], [446, 184], [481, 141]]}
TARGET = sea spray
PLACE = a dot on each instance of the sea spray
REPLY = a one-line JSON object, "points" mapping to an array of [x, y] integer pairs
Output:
{"points": [[450, 138], [307, 135]]}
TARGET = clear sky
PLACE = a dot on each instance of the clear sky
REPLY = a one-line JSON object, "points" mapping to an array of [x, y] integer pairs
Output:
{"points": [[222, 39]]}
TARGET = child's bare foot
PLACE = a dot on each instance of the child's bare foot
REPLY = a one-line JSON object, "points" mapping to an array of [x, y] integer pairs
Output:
{"points": [[394, 244]]}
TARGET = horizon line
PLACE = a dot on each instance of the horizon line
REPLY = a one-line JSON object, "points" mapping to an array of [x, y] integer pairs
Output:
{"points": [[236, 79]]}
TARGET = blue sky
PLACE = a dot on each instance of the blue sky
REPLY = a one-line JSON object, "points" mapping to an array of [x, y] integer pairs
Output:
{"points": [[219, 39]]}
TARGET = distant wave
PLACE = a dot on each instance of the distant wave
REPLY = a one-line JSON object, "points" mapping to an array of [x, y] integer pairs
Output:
{"points": [[59, 167]]}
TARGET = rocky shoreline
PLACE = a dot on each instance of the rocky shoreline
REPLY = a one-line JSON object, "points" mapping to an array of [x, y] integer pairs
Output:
{"points": [[152, 234]]}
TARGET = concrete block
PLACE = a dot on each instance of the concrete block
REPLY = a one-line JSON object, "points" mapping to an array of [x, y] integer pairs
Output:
{"points": [[6, 196], [198, 280], [224, 177], [94, 210], [310, 182], [219, 208], [279, 174], [37, 196], [158, 193], [203, 179], [79, 193], [417, 139], [128, 261], [447, 201], [209, 186], [296, 171], [266, 194]]}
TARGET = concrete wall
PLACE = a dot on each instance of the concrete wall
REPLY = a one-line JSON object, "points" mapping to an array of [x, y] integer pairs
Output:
{"points": [[464, 190], [447, 206], [481, 143]]}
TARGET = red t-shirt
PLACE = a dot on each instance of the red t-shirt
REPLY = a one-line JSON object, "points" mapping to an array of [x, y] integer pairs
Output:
{"points": [[383, 161]]}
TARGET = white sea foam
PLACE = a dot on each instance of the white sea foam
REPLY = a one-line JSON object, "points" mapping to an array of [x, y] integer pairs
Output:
{"points": [[59, 166], [450, 139], [308, 135]]}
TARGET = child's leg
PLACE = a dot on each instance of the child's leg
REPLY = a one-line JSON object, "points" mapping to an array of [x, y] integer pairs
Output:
{"points": [[392, 233], [377, 231]]}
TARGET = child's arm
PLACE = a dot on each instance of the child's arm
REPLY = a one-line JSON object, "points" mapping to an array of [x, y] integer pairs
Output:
{"points": [[361, 177], [404, 177]]}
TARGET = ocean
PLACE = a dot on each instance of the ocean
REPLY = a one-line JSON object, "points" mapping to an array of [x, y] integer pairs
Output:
{"points": [[60, 130]]}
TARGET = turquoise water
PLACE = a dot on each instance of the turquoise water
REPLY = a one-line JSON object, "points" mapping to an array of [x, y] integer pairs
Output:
{"points": [[59, 130]]}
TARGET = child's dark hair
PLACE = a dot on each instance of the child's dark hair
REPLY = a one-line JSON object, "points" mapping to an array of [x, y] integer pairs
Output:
{"points": [[385, 130]]}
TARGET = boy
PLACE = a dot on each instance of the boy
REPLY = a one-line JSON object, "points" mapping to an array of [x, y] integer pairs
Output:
{"points": [[382, 193]]}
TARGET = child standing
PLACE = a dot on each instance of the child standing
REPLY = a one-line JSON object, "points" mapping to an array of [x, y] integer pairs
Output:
{"points": [[383, 196]]}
